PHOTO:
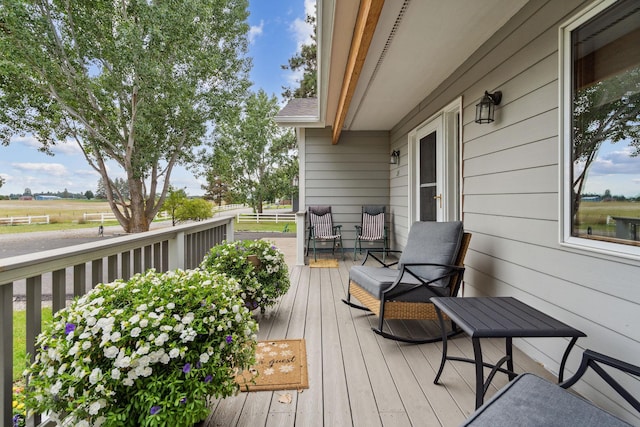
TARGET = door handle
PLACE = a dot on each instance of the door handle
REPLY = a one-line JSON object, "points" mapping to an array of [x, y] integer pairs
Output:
{"points": [[439, 197]]}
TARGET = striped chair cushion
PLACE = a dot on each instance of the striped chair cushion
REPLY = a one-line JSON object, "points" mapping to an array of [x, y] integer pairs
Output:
{"points": [[322, 226], [372, 226]]}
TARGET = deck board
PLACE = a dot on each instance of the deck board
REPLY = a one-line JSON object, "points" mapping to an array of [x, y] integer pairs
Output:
{"points": [[356, 377]]}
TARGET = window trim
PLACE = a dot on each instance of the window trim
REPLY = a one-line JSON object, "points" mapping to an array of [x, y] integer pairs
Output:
{"points": [[564, 83]]}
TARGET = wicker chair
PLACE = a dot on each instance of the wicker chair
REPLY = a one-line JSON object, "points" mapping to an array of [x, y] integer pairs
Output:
{"points": [[432, 264], [372, 228], [321, 227]]}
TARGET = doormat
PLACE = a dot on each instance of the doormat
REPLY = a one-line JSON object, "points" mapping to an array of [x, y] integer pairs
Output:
{"points": [[280, 365], [325, 263]]}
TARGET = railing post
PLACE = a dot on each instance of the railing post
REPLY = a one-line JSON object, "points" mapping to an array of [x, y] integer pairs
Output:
{"points": [[6, 354], [176, 252], [300, 220]]}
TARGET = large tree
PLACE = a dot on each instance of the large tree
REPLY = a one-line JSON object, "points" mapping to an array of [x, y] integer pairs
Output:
{"points": [[253, 156], [135, 83], [608, 110]]}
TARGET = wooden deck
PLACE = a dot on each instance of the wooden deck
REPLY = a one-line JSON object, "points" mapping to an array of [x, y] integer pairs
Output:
{"points": [[356, 377]]}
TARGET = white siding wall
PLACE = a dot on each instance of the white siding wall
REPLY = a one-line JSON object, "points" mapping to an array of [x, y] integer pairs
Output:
{"points": [[347, 175], [511, 175]]}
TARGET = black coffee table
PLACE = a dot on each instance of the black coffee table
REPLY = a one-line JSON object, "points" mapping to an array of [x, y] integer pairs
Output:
{"points": [[498, 317]]}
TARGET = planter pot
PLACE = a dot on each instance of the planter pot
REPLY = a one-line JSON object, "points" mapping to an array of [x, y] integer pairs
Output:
{"points": [[253, 259]]}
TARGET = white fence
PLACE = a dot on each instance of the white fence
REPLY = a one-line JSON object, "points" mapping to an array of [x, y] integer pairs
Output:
{"points": [[265, 217], [99, 217], [15, 220]]}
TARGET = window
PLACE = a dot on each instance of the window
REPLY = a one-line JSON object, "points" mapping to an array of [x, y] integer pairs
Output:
{"points": [[600, 73]]}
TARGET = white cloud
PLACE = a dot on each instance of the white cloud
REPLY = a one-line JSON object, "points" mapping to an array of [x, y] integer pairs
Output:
{"points": [[53, 169], [300, 29], [61, 147], [301, 32], [255, 31]]}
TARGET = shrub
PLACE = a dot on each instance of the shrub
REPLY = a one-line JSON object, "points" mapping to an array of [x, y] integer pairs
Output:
{"points": [[143, 352], [263, 280]]}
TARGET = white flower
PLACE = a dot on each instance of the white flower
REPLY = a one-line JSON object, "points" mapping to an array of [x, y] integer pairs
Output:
{"points": [[171, 305], [144, 323], [173, 353], [95, 376], [115, 374], [95, 407], [50, 372], [142, 307], [162, 338], [111, 352], [143, 350], [61, 369], [135, 332], [188, 318], [86, 345], [134, 319], [55, 389], [204, 358]]}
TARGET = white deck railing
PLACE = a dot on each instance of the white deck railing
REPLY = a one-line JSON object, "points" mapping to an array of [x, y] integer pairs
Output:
{"points": [[86, 265]]}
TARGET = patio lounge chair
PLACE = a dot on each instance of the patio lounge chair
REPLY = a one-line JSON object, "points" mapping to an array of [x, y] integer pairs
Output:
{"points": [[529, 400], [430, 265], [372, 228], [321, 227]]}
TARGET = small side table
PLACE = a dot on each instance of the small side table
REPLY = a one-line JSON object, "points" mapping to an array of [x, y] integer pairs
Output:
{"points": [[498, 317]]}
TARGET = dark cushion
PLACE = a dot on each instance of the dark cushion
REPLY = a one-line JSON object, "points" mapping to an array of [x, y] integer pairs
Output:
{"points": [[375, 279], [433, 242], [530, 401]]}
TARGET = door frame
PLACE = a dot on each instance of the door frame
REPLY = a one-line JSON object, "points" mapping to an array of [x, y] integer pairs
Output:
{"points": [[448, 161]]}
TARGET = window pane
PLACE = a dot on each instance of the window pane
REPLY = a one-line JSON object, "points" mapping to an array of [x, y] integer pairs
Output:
{"points": [[606, 125]]}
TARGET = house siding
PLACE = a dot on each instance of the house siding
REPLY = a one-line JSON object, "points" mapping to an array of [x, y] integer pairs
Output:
{"points": [[346, 175], [511, 198]]}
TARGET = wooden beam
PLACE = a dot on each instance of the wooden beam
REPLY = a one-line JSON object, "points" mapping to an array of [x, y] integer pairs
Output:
{"points": [[368, 15]]}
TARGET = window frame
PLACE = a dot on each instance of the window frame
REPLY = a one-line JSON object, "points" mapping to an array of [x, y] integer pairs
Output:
{"points": [[565, 124]]}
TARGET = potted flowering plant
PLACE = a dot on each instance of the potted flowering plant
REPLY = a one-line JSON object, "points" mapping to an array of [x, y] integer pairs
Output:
{"points": [[258, 265], [144, 352]]}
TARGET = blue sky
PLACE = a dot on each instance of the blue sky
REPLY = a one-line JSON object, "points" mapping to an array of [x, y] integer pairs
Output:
{"points": [[278, 29]]}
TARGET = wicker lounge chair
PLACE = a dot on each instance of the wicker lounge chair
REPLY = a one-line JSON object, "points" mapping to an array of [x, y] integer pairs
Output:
{"points": [[430, 265], [321, 227], [372, 228]]}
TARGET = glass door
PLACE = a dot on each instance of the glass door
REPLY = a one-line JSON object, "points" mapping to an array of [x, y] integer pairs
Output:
{"points": [[430, 194]]}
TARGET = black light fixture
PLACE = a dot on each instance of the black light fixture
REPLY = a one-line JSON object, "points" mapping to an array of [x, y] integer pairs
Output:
{"points": [[485, 109], [395, 157]]}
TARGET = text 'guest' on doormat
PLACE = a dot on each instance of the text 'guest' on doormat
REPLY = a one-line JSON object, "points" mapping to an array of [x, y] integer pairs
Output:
{"points": [[280, 365]]}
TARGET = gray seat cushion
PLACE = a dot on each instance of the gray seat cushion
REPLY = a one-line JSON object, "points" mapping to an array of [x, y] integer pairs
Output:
{"points": [[530, 401], [428, 242]]}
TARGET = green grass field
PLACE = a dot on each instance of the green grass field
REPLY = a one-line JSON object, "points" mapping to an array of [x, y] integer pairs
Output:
{"points": [[595, 214]]}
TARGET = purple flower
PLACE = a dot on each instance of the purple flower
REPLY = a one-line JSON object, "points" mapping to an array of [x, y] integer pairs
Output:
{"points": [[186, 368], [68, 328], [155, 409], [198, 365], [183, 401], [208, 378], [229, 339]]}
